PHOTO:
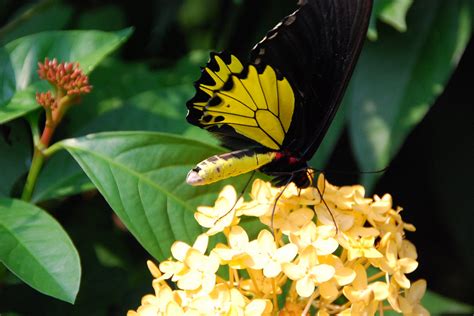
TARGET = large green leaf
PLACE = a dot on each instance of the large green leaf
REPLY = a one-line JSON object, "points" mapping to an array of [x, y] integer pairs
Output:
{"points": [[19, 63], [399, 77], [149, 111], [141, 175], [37, 249]]}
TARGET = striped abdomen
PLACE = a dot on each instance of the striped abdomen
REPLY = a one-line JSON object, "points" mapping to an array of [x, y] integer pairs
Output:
{"points": [[228, 165]]}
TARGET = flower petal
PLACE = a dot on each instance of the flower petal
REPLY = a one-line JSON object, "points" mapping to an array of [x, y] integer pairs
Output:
{"points": [[286, 253], [305, 287], [322, 272], [271, 269], [293, 271], [179, 250]]}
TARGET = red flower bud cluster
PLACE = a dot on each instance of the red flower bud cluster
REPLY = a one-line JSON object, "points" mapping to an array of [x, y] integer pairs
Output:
{"points": [[66, 76], [46, 100]]}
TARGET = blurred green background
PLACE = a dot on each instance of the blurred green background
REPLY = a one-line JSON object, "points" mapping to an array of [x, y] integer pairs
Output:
{"points": [[410, 107]]}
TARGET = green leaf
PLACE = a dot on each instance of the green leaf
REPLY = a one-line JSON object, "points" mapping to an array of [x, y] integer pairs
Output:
{"points": [[440, 305], [142, 177], [392, 12], [19, 63], [37, 249], [160, 110], [399, 77]]}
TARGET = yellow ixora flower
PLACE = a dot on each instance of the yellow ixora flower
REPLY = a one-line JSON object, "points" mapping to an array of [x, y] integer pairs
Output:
{"points": [[193, 270], [308, 272], [365, 297], [342, 253], [267, 256], [223, 214], [320, 237]]}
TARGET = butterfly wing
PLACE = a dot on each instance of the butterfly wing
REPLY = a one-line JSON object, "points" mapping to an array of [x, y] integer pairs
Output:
{"points": [[316, 49], [245, 106]]}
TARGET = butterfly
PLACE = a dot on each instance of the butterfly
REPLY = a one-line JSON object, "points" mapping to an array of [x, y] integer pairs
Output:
{"points": [[274, 111]]}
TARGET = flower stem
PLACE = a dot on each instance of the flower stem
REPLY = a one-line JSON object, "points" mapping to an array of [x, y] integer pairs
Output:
{"points": [[275, 298], [47, 134], [254, 280], [310, 301], [376, 276]]}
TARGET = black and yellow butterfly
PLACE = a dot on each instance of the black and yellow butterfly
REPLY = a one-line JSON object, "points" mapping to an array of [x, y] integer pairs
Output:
{"points": [[275, 110]]}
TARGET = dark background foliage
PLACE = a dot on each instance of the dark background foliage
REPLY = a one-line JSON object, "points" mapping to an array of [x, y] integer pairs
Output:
{"points": [[431, 175]]}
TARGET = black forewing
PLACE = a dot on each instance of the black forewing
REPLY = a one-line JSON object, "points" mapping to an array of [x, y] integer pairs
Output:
{"points": [[316, 48]]}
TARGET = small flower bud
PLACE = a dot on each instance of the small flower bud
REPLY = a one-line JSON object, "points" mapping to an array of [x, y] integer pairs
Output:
{"points": [[46, 100]]}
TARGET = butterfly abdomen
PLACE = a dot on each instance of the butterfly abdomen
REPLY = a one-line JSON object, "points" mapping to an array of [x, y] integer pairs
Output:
{"points": [[227, 165]]}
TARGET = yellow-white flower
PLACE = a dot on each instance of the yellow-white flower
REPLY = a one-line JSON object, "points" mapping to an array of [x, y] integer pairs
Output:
{"points": [[360, 242], [308, 272], [364, 296], [320, 237], [235, 254], [222, 214], [395, 266], [267, 256], [193, 270]]}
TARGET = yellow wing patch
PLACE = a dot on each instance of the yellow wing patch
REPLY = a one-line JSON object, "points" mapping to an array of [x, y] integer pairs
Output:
{"points": [[218, 71], [259, 106]]}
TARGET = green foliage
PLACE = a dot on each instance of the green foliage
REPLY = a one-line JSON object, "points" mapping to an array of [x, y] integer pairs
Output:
{"points": [[34, 246], [399, 77], [141, 176], [37, 249], [19, 60], [130, 102], [415, 46]]}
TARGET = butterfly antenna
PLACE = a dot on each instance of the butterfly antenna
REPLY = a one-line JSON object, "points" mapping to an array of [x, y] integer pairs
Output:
{"points": [[242, 192], [346, 172]]}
